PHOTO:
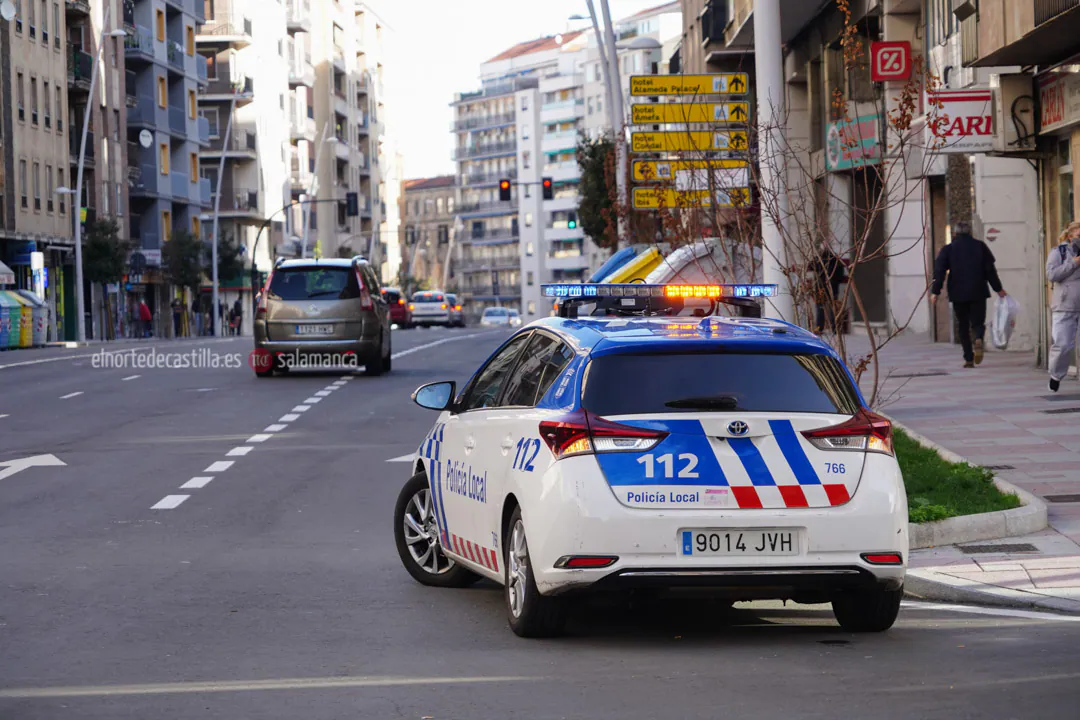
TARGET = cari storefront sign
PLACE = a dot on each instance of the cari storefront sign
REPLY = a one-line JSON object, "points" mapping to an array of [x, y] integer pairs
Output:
{"points": [[853, 143]]}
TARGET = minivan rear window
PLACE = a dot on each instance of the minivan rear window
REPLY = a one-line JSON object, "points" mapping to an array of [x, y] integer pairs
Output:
{"points": [[428, 297], [632, 384], [314, 283]]}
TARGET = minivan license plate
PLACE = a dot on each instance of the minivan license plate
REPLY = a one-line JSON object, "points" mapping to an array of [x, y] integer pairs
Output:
{"points": [[314, 329], [739, 542]]}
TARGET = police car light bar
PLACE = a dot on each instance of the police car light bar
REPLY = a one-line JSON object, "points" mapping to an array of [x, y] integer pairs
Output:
{"points": [[589, 291]]}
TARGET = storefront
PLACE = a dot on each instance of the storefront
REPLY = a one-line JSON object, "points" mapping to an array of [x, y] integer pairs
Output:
{"points": [[1059, 141]]}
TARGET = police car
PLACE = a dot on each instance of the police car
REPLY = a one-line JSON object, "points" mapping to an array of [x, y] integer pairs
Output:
{"points": [[635, 446]]}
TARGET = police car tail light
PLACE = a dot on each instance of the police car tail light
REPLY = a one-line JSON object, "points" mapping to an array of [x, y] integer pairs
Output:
{"points": [[865, 431], [581, 433], [567, 436]]}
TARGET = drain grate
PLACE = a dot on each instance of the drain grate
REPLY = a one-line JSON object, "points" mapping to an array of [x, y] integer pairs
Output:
{"points": [[929, 373], [1062, 411], [1075, 497], [999, 467], [999, 548]]}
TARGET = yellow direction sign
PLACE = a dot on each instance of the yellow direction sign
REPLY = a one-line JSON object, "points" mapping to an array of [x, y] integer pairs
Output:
{"points": [[653, 198], [667, 170], [678, 141], [647, 113], [719, 84]]}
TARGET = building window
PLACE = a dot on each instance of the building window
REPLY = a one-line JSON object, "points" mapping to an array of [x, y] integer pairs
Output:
{"points": [[20, 91], [46, 97], [163, 158], [56, 25], [32, 19], [194, 167], [524, 103], [60, 183], [196, 226], [189, 36], [525, 159], [211, 115], [18, 15], [116, 125], [193, 104], [160, 15], [44, 22], [528, 221], [529, 249], [162, 93], [1066, 189], [49, 191], [22, 185], [59, 111], [119, 200], [37, 187], [439, 206], [33, 101], [211, 67], [529, 278], [531, 307], [105, 197], [166, 224], [524, 132]]}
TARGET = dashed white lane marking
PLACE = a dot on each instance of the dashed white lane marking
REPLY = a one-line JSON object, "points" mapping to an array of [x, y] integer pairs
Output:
{"points": [[4, 416], [169, 502], [131, 377], [261, 437], [346, 378], [403, 458], [196, 482], [313, 400], [323, 393], [978, 610], [339, 383], [71, 395], [301, 408], [219, 466], [288, 418], [239, 451], [425, 346], [274, 428]]}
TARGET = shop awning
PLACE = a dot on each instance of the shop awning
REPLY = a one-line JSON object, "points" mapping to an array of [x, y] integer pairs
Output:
{"points": [[7, 277]]}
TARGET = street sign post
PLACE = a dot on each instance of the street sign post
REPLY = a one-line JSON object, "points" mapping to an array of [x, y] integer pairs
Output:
{"points": [[679, 141], [653, 198], [719, 84], [667, 170], [721, 112]]}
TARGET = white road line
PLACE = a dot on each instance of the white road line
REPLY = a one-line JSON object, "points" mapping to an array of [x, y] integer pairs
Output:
{"points": [[339, 383], [261, 437], [1000, 611], [239, 451], [219, 466], [346, 378], [196, 482], [71, 395], [323, 393], [131, 377], [403, 458], [169, 502], [4, 416], [42, 361], [274, 428], [288, 418], [312, 400], [425, 346], [301, 408]]}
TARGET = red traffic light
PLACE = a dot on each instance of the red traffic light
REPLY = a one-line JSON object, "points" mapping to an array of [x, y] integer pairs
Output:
{"points": [[547, 182], [547, 191], [504, 190]]}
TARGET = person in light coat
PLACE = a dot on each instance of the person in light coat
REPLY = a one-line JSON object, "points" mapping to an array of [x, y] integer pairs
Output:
{"points": [[1061, 270]]}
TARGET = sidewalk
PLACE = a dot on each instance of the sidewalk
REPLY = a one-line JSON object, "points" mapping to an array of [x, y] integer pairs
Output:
{"points": [[58, 351], [1002, 416]]}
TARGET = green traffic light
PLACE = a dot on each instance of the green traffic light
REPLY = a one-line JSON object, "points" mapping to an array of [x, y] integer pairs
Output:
{"points": [[571, 224]]}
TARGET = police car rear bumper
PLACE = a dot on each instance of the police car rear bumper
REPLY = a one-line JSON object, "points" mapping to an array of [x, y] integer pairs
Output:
{"points": [[574, 512]]}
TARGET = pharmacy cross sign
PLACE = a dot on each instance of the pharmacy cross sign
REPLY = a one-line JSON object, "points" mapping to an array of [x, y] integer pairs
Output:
{"points": [[890, 61]]}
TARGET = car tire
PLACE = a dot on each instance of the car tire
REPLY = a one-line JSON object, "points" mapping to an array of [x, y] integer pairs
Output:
{"points": [[268, 372], [415, 499], [388, 359], [530, 614], [373, 366], [869, 610]]}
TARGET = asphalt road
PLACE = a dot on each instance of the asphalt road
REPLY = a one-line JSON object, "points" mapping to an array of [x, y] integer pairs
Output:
{"points": [[272, 590]]}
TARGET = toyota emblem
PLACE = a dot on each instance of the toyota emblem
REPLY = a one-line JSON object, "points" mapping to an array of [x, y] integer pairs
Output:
{"points": [[738, 428]]}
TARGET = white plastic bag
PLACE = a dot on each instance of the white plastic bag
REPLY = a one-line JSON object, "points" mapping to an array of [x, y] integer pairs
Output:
{"points": [[1005, 311]]}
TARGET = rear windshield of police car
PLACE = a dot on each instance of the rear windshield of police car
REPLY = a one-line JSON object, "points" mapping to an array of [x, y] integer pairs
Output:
{"points": [[632, 384], [422, 297], [322, 283]]}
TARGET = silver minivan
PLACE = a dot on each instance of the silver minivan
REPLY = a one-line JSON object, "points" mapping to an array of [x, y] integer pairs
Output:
{"points": [[322, 313]]}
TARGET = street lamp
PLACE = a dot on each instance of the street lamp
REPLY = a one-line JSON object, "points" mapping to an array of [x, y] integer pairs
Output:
{"points": [[77, 192]]}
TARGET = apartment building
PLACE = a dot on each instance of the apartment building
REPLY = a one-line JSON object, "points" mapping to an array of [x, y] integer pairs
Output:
{"points": [[249, 48], [165, 133], [33, 218], [427, 210]]}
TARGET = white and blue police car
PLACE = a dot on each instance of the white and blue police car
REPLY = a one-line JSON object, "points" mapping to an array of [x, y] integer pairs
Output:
{"points": [[637, 446]]}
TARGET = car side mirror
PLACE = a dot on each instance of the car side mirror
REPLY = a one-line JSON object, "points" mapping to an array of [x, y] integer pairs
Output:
{"points": [[435, 396]]}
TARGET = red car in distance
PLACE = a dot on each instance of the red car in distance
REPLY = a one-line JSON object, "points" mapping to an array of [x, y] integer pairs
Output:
{"points": [[399, 308]]}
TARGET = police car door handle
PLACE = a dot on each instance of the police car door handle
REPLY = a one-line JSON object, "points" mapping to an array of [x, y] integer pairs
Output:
{"points": [[470, 443], [508, 444]]}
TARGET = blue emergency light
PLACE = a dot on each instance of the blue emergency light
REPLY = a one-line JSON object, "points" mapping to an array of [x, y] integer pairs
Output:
{"points": [[583, 291]]}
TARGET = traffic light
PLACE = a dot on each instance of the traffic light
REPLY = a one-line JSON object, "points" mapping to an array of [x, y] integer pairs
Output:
{"points": [[504, 190], [571, 223], [352, 204], [548, 192]]}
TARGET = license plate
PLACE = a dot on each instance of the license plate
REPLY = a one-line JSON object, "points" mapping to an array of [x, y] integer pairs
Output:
{"points": [[314, 329], [739, 542]]}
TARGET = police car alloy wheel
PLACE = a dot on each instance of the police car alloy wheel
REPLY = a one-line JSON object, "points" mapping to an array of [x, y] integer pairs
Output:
{"points": [[870, 610], [530, 613], [416, 534]]}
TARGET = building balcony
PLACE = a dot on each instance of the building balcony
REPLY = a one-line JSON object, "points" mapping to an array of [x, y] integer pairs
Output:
{"points": [[478, 151], [301, 127], [133, 169], [131, 95], [144, 113], [298, 17], [182, 189], [74, 139], [490, 178], [338, 55], [563, 233], [202, 66], [79, 70], [559, 141], [175, 54], [225, 89], [148, 183], [139, 45], [228, 31], [241, 203], [493, 207], [487, 292], [566, 260], [78, 8], [481, 122], [299, 177], [341, 105], [301, 74], [341, 150], [563, 172], [242, 146], [204, 131], [564, 111], [498, 90], [566, 202], [178, 121], [204, 192], [502, 262]]}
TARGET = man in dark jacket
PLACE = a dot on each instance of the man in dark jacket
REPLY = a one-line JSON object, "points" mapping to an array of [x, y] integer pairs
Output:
{"points": [[970, 266]]}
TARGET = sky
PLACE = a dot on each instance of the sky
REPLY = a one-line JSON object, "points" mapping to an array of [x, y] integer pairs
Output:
{"points": [[434, 48]]}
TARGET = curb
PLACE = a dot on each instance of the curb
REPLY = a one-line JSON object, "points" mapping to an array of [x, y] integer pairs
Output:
{"points": [[928, 584], [1030, 517]]}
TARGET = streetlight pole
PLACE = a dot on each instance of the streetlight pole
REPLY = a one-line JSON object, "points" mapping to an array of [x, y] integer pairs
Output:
{"points": [[609, 58], [76, 209]]}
